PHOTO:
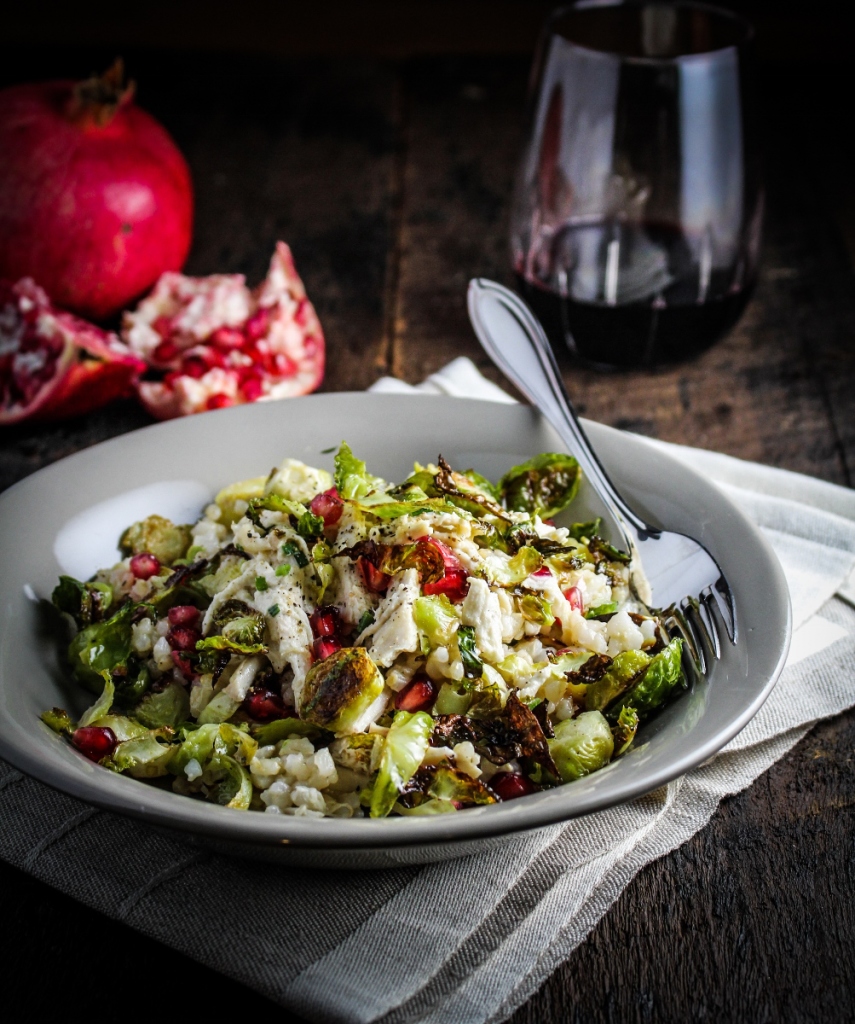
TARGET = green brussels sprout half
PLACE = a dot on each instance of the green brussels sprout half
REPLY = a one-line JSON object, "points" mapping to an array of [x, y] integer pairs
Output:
{"points": [[616, 679], [159, 537], [103, 646], [581, 745], [403, 750], [340, 689], [543, 485]]}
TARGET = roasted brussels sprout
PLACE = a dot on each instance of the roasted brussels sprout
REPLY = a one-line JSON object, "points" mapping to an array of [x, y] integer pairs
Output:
{"points": [[581, 745], [339, 690], [159, 537], [403, 749]]}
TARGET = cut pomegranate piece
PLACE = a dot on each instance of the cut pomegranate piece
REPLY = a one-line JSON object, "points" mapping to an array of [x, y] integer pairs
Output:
{"points": [[325, 646], [544, 570], [183, 638], [454, 583], [325, 621], [94, 741], [144, 566], [375, 579], [574, 598], [265, 706], [183, 664], [183, 615], [53, 364], [418, 695], [328, 506], [510, 785], [251, 345]]}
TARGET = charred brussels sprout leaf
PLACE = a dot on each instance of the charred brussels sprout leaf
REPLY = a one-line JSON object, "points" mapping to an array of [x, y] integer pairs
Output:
{"points": [[513, 734], [403, 750], [624, 729], [598, 546], [651, 690], [231, 783], [353, 481], [169, 707], [340, 689], [86, 603], [59, 720], [537, 609], [616, 679], [239, 625], [581, 745], [159, 537], [578, 531], [472, 665], [543, 485], [282, 728], [426, 559], [225, 643]]}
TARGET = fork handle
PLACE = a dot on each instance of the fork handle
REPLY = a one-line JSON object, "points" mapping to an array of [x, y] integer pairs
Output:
{"points": [[514, 339]]}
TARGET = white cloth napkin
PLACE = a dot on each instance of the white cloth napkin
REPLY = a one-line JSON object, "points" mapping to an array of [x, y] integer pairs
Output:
{"points": [[464, 942]]}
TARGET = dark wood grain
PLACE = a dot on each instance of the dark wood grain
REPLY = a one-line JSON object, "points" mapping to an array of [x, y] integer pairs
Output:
{"points": [[391, 181]]}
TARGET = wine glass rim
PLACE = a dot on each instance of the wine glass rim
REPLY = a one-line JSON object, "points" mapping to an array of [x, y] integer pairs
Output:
{"points": [[722, 13]]}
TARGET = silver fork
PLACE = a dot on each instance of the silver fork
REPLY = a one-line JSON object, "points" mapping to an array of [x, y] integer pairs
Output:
{"points": [[686, 585]]}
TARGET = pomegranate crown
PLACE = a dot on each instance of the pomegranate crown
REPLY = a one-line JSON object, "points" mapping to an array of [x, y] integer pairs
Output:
{"points": [[95, 101]]}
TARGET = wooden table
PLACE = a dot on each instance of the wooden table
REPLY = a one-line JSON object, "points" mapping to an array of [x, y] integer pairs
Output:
{"points": [[391, 180]]}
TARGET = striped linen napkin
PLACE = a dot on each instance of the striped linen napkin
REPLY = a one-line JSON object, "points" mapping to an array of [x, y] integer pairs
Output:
{"points": [[358, 947]]}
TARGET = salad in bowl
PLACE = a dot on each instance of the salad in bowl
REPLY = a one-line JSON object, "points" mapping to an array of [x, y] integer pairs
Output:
{"points": [[334, 645]]}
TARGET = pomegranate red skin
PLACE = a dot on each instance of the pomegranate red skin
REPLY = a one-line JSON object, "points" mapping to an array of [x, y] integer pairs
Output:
{"points": [[94, 741], [511, 785], [94, 213], [418, 695]]}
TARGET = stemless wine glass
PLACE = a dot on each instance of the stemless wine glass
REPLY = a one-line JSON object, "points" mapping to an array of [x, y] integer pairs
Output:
{"points": [[636, 221]]}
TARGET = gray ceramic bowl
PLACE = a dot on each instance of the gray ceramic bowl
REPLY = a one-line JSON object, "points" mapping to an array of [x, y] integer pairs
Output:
{"points": [[68, 517]]}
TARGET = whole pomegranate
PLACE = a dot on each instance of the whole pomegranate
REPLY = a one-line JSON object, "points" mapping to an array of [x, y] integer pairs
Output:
{"points": [[95, 197]]}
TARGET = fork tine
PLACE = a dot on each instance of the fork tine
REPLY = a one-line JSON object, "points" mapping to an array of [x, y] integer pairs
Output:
{"points": [[696, 615], [723, 598], [693, 649], [706, 605]]}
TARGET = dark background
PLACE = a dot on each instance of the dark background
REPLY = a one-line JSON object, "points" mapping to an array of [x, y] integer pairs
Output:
{"points": [[327, 124]]}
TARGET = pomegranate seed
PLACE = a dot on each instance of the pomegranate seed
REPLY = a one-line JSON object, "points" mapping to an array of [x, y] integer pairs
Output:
{"points": [[144, 566], [94, 741], [165, 352], [183, 615], [510, 785], [302, 312], [282, 366], [183, 638], [574, 598], [548, 522], [374, 579], [325, 647], [194, 366], [182, 665], [544, 570], [311, 345], [218, 401], [265, 705], [257, 325], [163, 326], [328, 506], [213, 357], [228, 338], [418, 695], [252, 389], [325, 622]]}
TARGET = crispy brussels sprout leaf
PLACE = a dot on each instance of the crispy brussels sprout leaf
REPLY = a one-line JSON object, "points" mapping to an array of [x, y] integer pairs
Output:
{"points": [[598, 546], [452, 699], [617, 678], [526, 561], [537, 609], [403, 751], [472, 664], [101, 647], [202, 743], [282, 728], [602, 610], [142, 757], [353, 481], [515, 733], [624, 729], [581, 745], [339, 690], [219, 709], [664, 672], [159, 537], [233, 785], [84, 602], [426, 559], [238, 623], [59, 720], [457, 788], [543, 485], [463, 493], [102, 705], [124, 728], [224, 643], [169, 707], [436, 617], [234, 498], [578, 531]]}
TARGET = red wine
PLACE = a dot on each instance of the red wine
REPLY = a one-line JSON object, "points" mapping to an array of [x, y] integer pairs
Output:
{"points": [[654, 304]]}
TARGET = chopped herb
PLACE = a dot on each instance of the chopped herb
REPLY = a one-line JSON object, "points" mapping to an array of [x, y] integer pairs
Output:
{"points": [[472, 666], [365, 621], [273, 610], [293, 549], [326, 451], [260, 583], [283, 570]]}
